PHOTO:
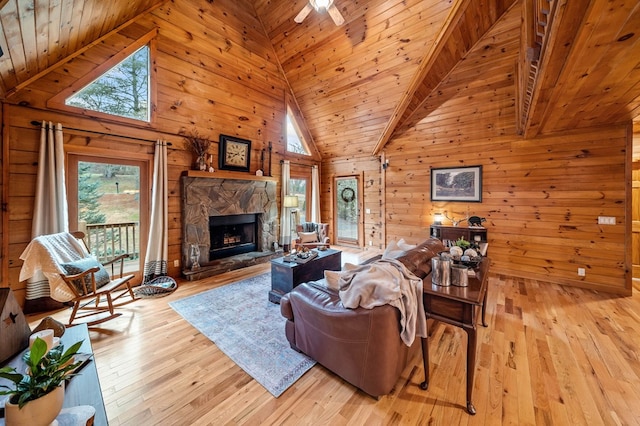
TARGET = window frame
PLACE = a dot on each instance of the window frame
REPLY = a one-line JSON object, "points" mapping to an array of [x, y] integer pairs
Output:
{"points": [[72, 158], [307, 180], [290, 117], [58, 102]]}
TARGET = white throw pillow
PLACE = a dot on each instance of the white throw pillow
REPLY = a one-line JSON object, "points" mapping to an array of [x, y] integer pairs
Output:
{"points": [[402, 244], [308, 237], [392, 251]]}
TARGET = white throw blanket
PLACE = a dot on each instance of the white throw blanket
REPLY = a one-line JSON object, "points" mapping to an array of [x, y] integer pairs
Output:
{"points": [[385, 281], [45, 254]]}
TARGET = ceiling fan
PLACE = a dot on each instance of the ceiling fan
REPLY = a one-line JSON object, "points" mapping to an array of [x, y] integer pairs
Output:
{"points": [[320, 5]]}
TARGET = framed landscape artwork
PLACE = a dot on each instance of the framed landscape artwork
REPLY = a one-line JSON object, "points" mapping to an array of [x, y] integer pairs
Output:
{"points": [[457, 184]]}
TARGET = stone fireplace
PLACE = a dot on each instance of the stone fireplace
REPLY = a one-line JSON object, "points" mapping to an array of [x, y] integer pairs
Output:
{"points": [[231, 222]]}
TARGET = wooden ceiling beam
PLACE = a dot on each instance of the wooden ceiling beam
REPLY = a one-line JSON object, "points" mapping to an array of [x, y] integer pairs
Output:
{"points": [[468, 21], [561, 39]]}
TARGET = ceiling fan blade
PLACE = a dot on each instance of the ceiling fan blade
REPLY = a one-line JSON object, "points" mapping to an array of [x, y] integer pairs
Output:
{"points": [[335, 15], [303, 13]]}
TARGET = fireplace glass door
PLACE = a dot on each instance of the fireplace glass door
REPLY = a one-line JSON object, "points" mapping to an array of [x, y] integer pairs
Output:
{"points": [[232, 235]]}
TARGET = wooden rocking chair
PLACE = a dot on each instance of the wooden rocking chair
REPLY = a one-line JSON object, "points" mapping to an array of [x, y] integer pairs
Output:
{"points": [[74, 275], [89, 281]]}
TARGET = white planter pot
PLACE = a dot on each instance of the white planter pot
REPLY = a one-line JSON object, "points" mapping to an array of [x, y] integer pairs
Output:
{"points": [[40, 412]]}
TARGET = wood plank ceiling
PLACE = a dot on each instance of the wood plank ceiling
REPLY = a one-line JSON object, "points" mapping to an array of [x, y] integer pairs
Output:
{"points": [[37, 35], [387, 67]]}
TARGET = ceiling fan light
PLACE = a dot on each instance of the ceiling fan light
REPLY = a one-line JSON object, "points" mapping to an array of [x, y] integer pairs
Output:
{"points": [[321, 4]]}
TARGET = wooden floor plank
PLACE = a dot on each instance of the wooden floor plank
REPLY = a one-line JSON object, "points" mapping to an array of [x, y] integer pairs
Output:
{"points": [[551, 355]]}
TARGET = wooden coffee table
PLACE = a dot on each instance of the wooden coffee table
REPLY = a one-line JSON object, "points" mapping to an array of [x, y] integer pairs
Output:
{"points": [[286, 275]]}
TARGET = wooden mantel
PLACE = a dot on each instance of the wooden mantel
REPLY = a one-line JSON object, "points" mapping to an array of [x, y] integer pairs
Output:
{"points": [[224, 174]]}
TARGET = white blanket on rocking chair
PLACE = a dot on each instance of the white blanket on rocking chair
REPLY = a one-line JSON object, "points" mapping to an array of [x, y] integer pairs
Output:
{"points": [[45, 254]]}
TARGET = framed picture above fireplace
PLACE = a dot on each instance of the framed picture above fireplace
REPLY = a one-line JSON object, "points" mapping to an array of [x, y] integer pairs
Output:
{"points": [[234, 153]]}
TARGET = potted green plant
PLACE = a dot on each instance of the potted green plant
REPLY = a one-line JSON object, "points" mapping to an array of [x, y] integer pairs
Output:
{"points": [[462, 243], [38, 393]]}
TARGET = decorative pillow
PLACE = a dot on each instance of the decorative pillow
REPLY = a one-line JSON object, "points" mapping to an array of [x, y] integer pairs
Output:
{"points": [[72, 268], [392, 251], [403, 245], [308, 237]]}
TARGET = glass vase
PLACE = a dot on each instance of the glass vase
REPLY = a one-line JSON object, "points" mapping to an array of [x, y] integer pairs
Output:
{"points": [[201, 163]]}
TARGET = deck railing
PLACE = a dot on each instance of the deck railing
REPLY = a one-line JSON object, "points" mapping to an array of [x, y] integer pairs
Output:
{"points": [[108, 240]]}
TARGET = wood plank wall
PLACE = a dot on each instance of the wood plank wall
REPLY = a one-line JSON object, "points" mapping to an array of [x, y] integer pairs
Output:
{"points": [[3, 200], [215, 76], [541, 198], [635, 203]]}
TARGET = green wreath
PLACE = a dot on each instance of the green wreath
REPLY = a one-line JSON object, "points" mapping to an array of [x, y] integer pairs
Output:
{"points": [[348, 195]]}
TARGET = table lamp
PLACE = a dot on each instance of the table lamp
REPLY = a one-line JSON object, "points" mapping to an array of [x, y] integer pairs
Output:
{"points": [[290, 202]]}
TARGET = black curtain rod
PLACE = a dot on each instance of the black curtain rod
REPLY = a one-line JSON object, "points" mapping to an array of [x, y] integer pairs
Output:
{"points": [[39, 124], [299, 164]]}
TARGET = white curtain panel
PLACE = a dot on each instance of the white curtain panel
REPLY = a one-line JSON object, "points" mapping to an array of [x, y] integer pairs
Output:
{"points": [[156, 258], [50, 210], [315, 195], [285, 220]]}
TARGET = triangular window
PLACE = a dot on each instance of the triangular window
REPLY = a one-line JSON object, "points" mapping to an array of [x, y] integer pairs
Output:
{"points": [[295, 140], [122, 91]]}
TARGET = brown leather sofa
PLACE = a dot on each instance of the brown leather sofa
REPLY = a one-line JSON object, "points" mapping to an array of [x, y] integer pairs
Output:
{"points": [[363, 346]]}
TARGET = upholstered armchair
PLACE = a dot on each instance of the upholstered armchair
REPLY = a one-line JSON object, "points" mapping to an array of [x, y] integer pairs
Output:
{"points": [[312, 234]]}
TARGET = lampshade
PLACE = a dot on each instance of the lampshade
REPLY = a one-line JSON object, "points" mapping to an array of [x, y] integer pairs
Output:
{"points": [[290, 201], [437, 219]]}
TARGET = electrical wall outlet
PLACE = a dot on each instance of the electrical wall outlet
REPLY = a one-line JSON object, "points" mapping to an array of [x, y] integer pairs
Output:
{"points": [[176, 263], [367, 211], [370, 242], [581, 272], [606, 220]]}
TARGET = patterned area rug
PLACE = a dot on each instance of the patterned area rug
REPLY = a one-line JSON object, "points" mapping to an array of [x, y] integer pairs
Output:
{"points": [[249, 329]]}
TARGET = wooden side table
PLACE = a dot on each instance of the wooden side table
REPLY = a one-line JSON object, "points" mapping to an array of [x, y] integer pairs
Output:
{"points": [[457, 306]]}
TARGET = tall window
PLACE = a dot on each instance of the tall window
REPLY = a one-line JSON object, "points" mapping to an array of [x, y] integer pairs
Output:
{"points": [[122, 91], [295, 140], [299, 187]]}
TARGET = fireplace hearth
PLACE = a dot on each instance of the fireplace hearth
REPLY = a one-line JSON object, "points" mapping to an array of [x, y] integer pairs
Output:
{"points": [[232, 220]]}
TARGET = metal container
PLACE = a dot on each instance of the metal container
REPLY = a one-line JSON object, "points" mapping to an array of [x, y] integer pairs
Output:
{"points": [[459, 275], [441, 271]]}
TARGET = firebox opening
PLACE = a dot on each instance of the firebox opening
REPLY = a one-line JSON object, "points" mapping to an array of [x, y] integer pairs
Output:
{"points": [[232, 235]]}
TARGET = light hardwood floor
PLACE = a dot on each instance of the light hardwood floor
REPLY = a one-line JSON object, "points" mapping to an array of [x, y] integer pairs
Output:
{"points": [[551, 356]]}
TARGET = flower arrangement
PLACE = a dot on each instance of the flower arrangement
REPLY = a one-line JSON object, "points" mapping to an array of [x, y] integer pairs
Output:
{"points": [[197, 144], [46, 371]]}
